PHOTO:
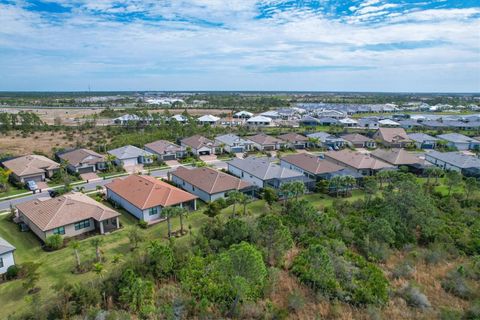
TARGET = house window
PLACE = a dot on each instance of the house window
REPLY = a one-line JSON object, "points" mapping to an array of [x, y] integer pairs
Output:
{"points": [[152, 211], [1, 263], [193, 188], [59, 230], [82, 224]]}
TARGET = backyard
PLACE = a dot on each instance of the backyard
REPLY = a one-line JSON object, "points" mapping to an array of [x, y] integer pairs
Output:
{"points": [[57, 266]]}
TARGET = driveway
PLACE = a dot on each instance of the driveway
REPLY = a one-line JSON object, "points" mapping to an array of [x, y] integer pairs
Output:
{"points": [[208, 158], [90, 176], [172, 163], [133, 169]]}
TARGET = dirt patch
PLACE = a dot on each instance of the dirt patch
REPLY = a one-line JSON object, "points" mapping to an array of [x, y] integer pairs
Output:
{"points": [[17, 144]]}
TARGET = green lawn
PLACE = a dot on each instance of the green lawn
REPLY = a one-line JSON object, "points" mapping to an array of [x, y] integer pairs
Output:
{"points": [[56, 266], [12, 190]]}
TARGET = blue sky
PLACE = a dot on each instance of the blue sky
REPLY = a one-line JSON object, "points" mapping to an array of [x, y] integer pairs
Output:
{"points": [[320, 45]]}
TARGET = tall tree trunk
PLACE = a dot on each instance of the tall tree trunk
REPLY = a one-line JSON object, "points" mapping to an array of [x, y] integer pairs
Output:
{"points": [[97, 251], [181, 224], [169, 228], [233, 211]]}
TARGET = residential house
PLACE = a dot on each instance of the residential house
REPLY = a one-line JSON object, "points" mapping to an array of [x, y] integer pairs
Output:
{"points": [[314, 167], [31, 168], [259, 121], [6, 255], [348, 122], [388, 123], [460, 141], [368, 123], [401, 157], [180, 118], [336, 114], [410, 124], [83, 160], [129, 156], [362, 163], [207, 183], [466, 164], [263, 173], [392, 137], [423, 141], [265, 142], [309, 121], [200, 145], [326, 121], [145, 197], [231, 122], [433, 124], [234, 144], [327, 140], [359, 141], [243, 115], [68, 215], [208, 119], [165, 150], [294, 140], [132, 118], [271, 114]]}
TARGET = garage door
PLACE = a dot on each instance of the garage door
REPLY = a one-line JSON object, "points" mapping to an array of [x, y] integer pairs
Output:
{"points": [[130, 162], [85, 170], [204, 153], [169, 157], [33, 178]]}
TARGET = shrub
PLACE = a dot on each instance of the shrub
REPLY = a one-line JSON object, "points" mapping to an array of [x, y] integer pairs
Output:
{"points": [[450, 314], [143, 224], [12, 272], [403, 270], [296, 301], [473, 313], [54, 242], [456, 284], [414, 297]]}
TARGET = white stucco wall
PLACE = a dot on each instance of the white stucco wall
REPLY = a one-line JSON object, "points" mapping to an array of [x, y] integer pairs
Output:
{"points": [[8, 260], [246, 176]]}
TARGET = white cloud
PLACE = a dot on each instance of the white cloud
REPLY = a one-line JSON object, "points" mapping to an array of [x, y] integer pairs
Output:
{"points": [[142, 53]]}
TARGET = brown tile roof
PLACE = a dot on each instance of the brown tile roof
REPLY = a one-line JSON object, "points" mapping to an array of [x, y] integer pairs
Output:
{"points": [[31, 164], [393, 135], [293, 137], [356, 138], [397, 157], [263, 139], [357, 160], [67, 209], [198, 141], [163, 147], [78, 156], [210, 180], [147, 192], [312, 163]]}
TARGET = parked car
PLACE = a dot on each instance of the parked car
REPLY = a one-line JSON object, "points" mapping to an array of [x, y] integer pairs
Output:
{"points": [[31, 185], [53, 193]]}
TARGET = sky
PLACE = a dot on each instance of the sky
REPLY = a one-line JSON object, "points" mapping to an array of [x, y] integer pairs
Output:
{"points": [[275, 45]]}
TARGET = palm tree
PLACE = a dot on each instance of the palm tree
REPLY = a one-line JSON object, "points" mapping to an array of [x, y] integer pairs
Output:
{"points": [[287, 190], [75, 245], [181, 213], [335, 183], [235, 196], [349, 182], [96, 243], [170, 212], [298, 188]]}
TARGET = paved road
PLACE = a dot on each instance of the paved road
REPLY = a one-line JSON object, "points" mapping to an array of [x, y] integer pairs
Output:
{"points": [[4, 205]]}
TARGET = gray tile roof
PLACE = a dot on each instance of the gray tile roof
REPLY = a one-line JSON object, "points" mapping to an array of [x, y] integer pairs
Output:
{"points": [[264, 169], [457, 159], [231, 139], [456, 138], [5, 247], [421, 137], [129, 152]]}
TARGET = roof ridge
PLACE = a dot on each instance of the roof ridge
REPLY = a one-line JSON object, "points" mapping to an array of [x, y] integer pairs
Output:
{"points": [[215, 182], [150, 193], [56, 212]]}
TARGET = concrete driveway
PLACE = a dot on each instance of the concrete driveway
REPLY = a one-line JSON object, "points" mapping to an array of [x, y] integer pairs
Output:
{"points": [[208, 158]]}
